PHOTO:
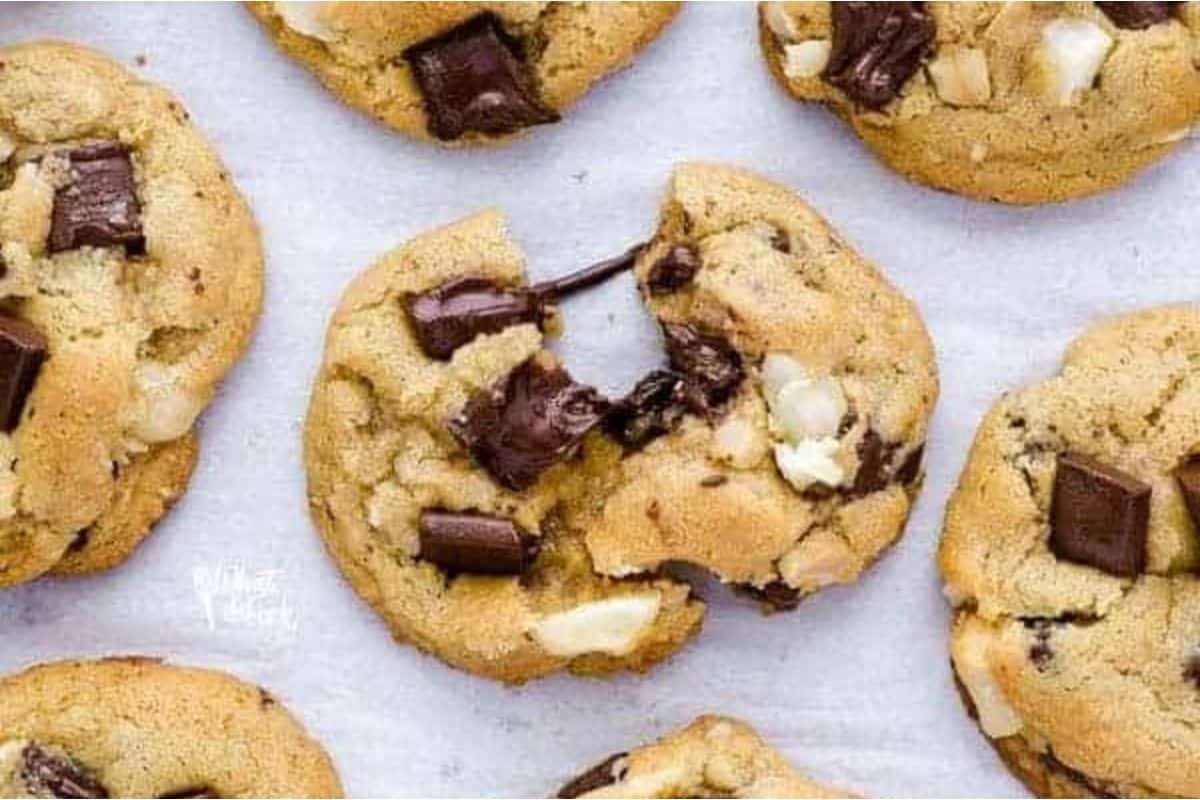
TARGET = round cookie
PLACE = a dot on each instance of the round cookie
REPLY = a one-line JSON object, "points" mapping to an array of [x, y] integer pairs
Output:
{"points": [[1070, 553], [712, 757], [135, 727], [1016, 102], [463, 73], [131, 278], [514, 522]]}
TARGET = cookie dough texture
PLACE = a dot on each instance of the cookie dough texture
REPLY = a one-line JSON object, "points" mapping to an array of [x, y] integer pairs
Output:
{"points": [[1016, 102], [142, 728], [773, 278], [137, 343], [712, 757], [356, 48], [1085, 682]]}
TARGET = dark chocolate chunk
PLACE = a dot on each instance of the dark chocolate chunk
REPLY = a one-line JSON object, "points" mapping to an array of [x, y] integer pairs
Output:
{"points": [[1099, 516], [776, 594], [597, 777], [655, 407], [455, 312], [589, 276], [910, 469], [99, 207], [673, 270], [49, 775], [1137, 16], [876, 48], [1191, 669], [873, 468], [475, 543], [22, 351], [474, 78], [529, 421], [1187, 475], [713, 481], [711, 367]]}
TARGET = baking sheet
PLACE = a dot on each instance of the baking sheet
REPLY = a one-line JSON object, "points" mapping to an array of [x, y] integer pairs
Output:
{"points": [[854, 686]]}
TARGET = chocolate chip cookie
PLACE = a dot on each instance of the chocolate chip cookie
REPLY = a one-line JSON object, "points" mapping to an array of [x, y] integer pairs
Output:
{"points": [[135, 727], [1017, 102], [463, 73], [1070, 553], [130, 278], [712, 757], [513, 521]]}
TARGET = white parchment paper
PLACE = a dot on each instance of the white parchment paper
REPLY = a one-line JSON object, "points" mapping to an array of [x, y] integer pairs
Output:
{"points": [[854, 686]]}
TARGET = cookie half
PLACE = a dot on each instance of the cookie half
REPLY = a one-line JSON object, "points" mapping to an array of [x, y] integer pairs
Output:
{"points": [[463, 73], [1070, 553], [130, 279], [135, 727], [712, 757], [513, 522], [1016, 102]]}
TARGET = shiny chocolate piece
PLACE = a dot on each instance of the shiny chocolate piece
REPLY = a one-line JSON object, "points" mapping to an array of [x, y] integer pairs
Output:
{"points": [[1187, 475], [674, 270], [711, 367], [47, 774], [873, 472], [474, 78], [455, 312], [99, 207], [475, 543], [1138, 16], [599, 776], [589, 276], [910, 470], [655, 407], [22, 351], [532, 419], [1099, 516], [876, 48]]}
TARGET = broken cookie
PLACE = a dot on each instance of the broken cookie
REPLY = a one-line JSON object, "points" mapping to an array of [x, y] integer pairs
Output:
{"points": [[513, 521]]}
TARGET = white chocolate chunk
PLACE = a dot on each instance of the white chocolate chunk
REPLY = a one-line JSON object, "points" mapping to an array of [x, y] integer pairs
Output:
{"points": [[969, 649], [820, 559], [961, 76], [169, 409], [611, 626], [780, 22], [807, 462], [778, 370], [807, 59], [305, 18], [1069, 57], [809, 410], [8, 146]]}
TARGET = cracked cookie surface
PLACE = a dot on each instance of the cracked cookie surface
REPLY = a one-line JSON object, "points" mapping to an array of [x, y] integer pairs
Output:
{"points": [[1017, 102], [135, 727], [779, 446], [1070, 551], [463, 73], [131, 277], [712, 757]]}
